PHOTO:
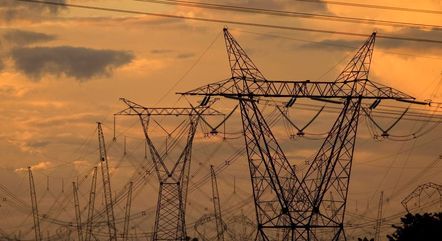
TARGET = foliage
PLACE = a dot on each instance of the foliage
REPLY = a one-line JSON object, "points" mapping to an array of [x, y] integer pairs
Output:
{"points": [[418, 227]]}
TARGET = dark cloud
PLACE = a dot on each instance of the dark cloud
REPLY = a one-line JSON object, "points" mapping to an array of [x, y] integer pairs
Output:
{"points": [[386, 43], [161, 51], [185, 55], [37, 143], [11, 10], [22, 37], [335, 44], [284, 5], [76, 62], [415, 45]]}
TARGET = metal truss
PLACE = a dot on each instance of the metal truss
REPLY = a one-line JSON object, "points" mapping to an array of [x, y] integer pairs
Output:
{"points": [[220, 227], [300, 209], [104, 163], [416, 194], [37, 231], [171, 204]]}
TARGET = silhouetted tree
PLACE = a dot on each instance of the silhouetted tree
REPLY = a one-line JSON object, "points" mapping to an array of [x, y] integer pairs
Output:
{"points": [[191, 239], [365, 239], [418, 227]]}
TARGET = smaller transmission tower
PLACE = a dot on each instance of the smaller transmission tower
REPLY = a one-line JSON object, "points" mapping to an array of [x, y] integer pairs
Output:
{"points": [[171, 205], [107, 186], [377, 235], [127, 214], [37, 231], [91, 206], [217, 206], [427, 195], [77, 212]]}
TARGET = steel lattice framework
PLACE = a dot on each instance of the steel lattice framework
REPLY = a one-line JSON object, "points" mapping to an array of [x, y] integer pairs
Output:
{"points": [[77, 212], [91, 206], [299, 208], [171, 204], [420, 190], [104, 163], [37, 231], [220, 227]]}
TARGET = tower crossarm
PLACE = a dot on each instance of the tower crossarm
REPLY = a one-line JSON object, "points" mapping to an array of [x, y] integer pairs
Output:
{"points": [[361, 88], [137, 109]]}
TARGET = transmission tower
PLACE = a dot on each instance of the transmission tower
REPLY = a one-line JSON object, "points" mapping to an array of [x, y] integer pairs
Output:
{"points": [[201, 228], [423, 192], [37, 231], [107, 186], [91, 206], [171, 204], [77, 212], [217, 206], [377, 235], [240, 228], [127, 213], [283, 201]]}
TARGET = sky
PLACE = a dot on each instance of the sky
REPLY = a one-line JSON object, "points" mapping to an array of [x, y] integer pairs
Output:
{"points": [[63, 69]]}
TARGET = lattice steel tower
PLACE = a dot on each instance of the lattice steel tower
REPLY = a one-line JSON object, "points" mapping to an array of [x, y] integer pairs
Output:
{"points": [[173, 179], [285, 203]]}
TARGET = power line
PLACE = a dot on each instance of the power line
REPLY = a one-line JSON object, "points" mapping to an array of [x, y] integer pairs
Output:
{"points": [[273, 12], [324, 31], [361, 5], [332, 44]]}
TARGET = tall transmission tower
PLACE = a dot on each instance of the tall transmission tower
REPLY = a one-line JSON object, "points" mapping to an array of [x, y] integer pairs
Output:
{"points": [[171, 204], [37, 230], [91, 206], [107, 186], [77, 212], [377, 235], [217, 206], [284, 201], [127, 213]]}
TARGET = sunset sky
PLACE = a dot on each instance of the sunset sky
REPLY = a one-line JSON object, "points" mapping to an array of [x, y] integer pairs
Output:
{"points": [[62, 69]]}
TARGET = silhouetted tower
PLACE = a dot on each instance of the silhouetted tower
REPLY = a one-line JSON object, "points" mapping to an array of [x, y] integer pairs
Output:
{"points": [[377, 235], [91, 206], [422, 196], [127, 213], [283, 201], [171, 204], [217, 206], [77, 212], [107, 186], [37, 230]]}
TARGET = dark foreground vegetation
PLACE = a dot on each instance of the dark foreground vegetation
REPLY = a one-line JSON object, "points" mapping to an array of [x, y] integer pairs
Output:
{"points": [[417, 227]]}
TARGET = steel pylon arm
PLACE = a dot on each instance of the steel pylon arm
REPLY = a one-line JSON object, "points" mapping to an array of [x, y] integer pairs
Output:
{"points": [[247, 81], [234, 87], [137, 109]]}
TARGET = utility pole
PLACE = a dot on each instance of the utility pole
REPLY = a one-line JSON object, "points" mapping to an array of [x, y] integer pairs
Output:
{"points": [[91, 206], [377, 235], [37, 230], [171, 205], [217, 206], [77, 212], [107, 186], [284, 201], [127, 213]]}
